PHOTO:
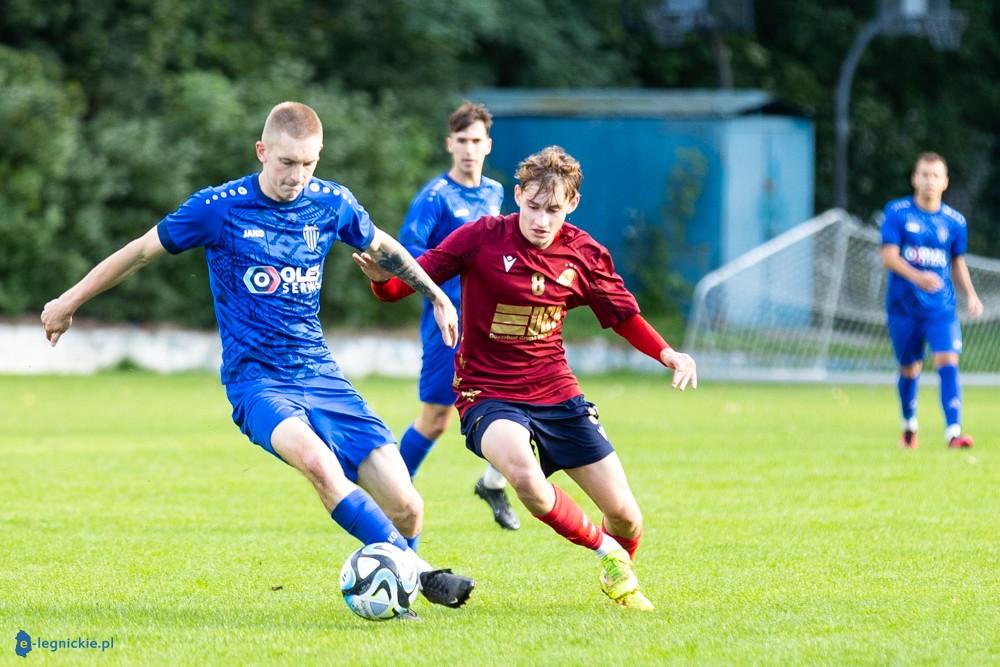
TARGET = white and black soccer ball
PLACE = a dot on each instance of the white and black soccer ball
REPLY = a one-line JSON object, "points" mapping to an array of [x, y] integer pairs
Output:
{"points": [[379, 581]]}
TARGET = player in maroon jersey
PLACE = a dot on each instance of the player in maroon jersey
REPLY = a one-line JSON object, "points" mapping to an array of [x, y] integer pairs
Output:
{"points": [[521, 273]]}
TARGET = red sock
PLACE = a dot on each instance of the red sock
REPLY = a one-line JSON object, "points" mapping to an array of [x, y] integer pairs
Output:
{"points": [[567, 519], [629, 544]]}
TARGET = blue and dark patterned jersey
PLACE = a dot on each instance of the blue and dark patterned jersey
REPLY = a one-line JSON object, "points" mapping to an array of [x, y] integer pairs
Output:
{"points": [[441, 207], [265, 263], [928, 242]]}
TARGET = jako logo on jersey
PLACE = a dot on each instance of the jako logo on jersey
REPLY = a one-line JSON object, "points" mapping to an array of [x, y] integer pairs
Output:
{"points": [[290, 279], [924, 256], [311, 234], [253, 233]]}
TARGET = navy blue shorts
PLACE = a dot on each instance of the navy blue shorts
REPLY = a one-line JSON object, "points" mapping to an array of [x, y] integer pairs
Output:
{"points": [[909, 334], [329, 404], [437, 372], [564, 435]]}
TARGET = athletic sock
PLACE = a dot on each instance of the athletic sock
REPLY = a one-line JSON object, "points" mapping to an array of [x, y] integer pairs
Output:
{"points": [[951, 396], [629, 544], [414, 448], [493, 478], [908, 396], [412, 541], [608, 544], [358, 514], [567, 519]]}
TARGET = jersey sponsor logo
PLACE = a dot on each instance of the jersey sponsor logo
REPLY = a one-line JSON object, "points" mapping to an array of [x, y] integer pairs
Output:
{"points": [[524, 322], [508, 261], [924, 256], [253, 233], [287, 279], [311, 234]]}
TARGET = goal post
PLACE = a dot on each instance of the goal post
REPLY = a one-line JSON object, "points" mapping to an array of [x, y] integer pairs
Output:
{"points": [[809, 305]]}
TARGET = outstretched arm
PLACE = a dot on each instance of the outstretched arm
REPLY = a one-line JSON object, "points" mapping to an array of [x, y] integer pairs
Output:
{"points": [[643, 337], [393, 259], [57, 316], [960, 276]]}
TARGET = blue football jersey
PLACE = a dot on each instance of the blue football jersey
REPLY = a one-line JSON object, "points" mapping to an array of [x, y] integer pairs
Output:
{"points": [[928, 242], [265, 262], [441, 207]]}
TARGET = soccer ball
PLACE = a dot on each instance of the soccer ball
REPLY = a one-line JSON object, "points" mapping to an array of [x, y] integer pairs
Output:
{"points": [[379, 581]]}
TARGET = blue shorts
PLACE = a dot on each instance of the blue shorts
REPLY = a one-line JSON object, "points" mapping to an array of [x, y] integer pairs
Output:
{"points": [[437, 372], [909, 333], [329, 404], [564, 435]]}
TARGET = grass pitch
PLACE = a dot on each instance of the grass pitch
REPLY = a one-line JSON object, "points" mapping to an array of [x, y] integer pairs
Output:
{"points": [[783, 526]]}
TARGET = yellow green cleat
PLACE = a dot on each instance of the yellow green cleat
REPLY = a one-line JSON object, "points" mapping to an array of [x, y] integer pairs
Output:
{"points": [[617, 577], [636, 600]]}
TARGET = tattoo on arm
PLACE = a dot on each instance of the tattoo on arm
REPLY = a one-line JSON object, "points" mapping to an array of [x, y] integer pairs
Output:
{"points": [[392, 257]]}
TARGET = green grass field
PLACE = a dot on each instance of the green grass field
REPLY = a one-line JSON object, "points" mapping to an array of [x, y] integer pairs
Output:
{"points": [[783, 526]]}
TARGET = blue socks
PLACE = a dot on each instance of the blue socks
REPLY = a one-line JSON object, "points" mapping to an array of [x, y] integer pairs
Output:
{"points": [[951, 395], [908, 396], [361, 517], [414, 448]]}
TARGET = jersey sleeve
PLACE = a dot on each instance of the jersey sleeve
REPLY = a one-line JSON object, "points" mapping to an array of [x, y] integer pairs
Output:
{"points": [[198, 222], [452, 255], [421, 219], [892, 231], [606, 293], [960, 240], [354, 226]]}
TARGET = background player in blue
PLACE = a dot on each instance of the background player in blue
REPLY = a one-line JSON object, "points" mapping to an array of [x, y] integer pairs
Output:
{"points": [[461, 194], [923, 243], [266, 236]]}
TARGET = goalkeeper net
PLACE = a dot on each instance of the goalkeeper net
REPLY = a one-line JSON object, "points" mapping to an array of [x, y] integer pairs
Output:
{"points": [[809, 305]]}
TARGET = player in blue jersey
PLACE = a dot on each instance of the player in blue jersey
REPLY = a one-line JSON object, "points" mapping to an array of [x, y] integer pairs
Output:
{"points": [[923, 246], [460, 195], [266, 236]]}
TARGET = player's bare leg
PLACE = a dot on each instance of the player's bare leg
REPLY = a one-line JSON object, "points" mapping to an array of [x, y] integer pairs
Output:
{"points": [[606, 484], [507, 446], [383, 474], [299, 446]]}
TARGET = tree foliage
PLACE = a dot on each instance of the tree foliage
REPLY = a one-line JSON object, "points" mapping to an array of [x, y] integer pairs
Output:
{"points": [[116, 110]]}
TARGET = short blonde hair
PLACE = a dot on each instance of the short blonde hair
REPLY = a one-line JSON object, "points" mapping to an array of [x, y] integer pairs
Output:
{"points": [[295, 119], [550, 168]]}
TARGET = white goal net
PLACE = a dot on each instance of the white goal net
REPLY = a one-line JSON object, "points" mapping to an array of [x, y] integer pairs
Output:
{"points": [[809, 305]]}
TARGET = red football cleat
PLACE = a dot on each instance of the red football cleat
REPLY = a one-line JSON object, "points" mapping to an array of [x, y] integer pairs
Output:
{"points": [[909, 440], [963, 441]]}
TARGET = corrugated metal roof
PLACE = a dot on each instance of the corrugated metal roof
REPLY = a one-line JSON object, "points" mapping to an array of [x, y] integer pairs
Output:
{"points": [[630, 102]]}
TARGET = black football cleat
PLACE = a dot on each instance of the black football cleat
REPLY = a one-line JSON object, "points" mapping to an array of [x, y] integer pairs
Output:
{"points": [[445, 588], [503, 513]]}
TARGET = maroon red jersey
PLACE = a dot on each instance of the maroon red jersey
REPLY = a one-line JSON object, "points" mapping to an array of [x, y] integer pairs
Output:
{"points": [[514, 300]]}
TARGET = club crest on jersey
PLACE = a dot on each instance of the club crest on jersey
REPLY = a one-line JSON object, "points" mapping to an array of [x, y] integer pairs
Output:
{"points": [[942, 234], [311, 234], [508, 261], [566, 278]]}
